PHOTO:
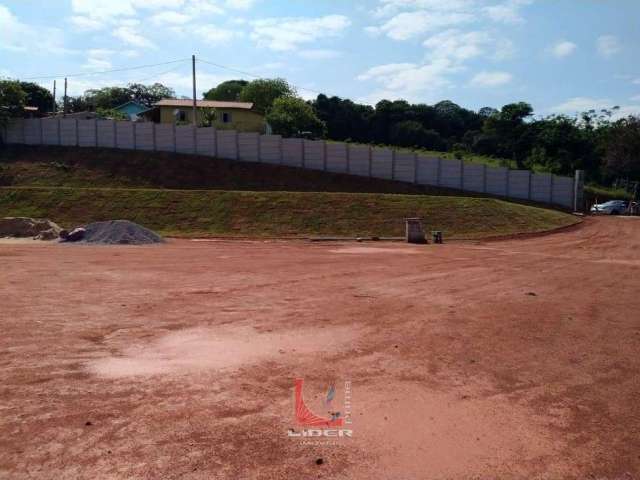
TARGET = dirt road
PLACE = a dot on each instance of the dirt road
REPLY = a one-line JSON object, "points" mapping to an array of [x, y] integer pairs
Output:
{"points": [[510, 359]]}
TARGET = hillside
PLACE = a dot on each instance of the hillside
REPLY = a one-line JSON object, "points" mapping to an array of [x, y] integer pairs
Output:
{"points": [[78, 167], [260, 214], [190, 195]]}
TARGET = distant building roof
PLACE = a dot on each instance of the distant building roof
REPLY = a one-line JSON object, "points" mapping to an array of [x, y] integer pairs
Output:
{"points": [[31, 109], [173, 102], [131, 102]]}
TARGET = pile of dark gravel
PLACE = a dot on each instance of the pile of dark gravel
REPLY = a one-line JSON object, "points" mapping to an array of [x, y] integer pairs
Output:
{"points": [[119, 232]]}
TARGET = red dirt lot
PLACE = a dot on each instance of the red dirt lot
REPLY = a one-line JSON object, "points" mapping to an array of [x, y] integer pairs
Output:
{"points": [[509, 359]]}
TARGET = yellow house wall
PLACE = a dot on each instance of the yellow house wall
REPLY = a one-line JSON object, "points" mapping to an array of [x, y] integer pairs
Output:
{"points": [[241, 120]]}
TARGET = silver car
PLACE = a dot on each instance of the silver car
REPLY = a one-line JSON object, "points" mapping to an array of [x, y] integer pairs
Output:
{"points": [[612, 207]]}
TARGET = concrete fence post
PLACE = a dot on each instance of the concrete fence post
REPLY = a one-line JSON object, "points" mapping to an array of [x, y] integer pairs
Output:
{"points": [[348, 157], [280, 152], [173, 135], [77, 128], [551, 187], [529, 184], [258, 148], [303, 160], [415, 168], [393, 164], [578, 191], [95, 131], [215, 142], [508, 186], [461, 174], [24, 132], [153, 136], [370, 160], [134, 128], [439, 172], [58, 133], [484, 178], [324, 156], [237, 139], [41, 142]]}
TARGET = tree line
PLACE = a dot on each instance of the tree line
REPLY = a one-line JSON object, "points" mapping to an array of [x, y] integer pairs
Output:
{"points": [[592, 141]]}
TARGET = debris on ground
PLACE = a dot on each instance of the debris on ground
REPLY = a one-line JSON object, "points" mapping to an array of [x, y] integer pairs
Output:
{"points": [[24, 227], [119, 232], [74, 235]]}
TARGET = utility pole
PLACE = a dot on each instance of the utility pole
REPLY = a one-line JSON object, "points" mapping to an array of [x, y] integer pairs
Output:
{"points": [[53, 109], [64, 111], [195, 110]]}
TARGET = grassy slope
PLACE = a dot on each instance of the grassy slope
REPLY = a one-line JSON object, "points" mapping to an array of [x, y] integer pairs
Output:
{"points": [[194, 212], [76, 167]]}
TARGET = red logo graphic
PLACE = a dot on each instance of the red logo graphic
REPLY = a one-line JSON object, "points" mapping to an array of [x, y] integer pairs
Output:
{"points": [[305, 417]]}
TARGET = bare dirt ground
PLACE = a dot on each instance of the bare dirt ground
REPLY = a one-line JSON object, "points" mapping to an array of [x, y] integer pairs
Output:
{"points": [[510, 359]]}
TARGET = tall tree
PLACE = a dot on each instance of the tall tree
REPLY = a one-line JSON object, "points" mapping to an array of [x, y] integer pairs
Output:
{"points": [[623, 148], [509, 127], [263, 92], [228, 91], [149, 94], [37, 96], [12, 101], [293, 117]]}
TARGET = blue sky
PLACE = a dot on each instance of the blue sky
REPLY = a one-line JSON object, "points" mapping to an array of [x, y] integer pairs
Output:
{"points": [[562, 56]]}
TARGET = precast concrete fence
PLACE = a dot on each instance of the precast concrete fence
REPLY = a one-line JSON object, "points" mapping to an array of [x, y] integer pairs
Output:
{"points": [[353, 159]]}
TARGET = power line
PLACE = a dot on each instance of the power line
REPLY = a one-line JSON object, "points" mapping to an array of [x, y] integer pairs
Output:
{"points": [[124, 69], [231, 69]]}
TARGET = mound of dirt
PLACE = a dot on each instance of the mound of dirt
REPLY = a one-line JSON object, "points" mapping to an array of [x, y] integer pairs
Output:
{"points": [[22, 227], [120, 232]]}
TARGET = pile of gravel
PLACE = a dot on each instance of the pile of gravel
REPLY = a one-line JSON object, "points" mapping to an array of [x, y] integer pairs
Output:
{"points": [[119, 232]]}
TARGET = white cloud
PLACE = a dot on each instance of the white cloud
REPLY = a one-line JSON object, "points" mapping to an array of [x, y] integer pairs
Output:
{"points": [[240, 4], [86, 23], [607, 45], [169, 17], [577, 105], [21, 37], [98, 9], [391, 7], [212, 34], [99, 59], [408, 80], [490, 79], [319, 54], [406, 25], [563, 48], [456, 45], [129, 36], [284, 34], [635, 98], [506, 12], [198, 8]]}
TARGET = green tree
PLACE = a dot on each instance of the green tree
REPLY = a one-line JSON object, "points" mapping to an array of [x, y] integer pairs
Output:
{"points": [[292, 117], [228, 91], [12, 101], [513, 134], [263, 92], [37, 96], [622, 155], [149, 94]]}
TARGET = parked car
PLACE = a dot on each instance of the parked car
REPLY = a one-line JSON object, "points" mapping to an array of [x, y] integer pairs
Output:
{"points": [[612, 207]]}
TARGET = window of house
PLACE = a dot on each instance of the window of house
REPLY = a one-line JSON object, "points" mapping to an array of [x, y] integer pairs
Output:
{"points": [[182, 116], [226, 117]]}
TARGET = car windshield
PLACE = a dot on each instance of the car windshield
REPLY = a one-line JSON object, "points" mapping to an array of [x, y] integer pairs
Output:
{"points": [[612, 203]]}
